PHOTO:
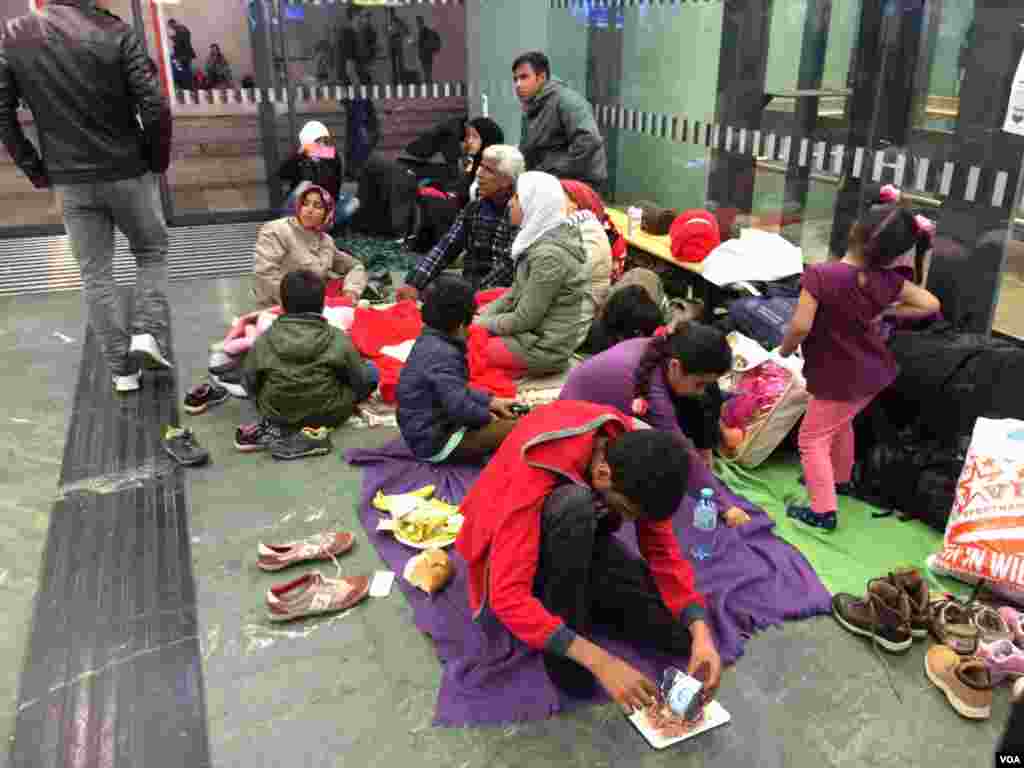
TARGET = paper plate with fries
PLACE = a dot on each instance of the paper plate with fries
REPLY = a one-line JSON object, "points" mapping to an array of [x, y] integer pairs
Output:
{"points": [[418, 520]]}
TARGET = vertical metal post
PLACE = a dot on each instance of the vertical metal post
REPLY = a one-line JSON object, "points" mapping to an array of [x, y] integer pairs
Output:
{"points": [[139, 23], [981, 229], [293, 126], [881, 105], [746, 26], [805, 118], [263, 59]]}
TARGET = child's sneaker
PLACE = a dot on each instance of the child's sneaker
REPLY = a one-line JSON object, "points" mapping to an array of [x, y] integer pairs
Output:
{"points": [[258, 436], [308, 441], [182, 446], [1003, 659], [1015, 621], [990, 624], [232, 382], [203, 397], [953, 627], [966, 682], [826, 522]]}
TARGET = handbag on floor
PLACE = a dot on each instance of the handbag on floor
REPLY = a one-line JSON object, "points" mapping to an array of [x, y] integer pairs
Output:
{"points": [[769, 397]]}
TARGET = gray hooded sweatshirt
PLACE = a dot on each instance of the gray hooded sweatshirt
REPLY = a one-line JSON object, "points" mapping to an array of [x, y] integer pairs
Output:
{"points": [[560, 136]]}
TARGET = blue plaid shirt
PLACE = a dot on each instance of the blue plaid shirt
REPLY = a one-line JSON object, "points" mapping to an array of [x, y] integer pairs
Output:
{"points": [[483, 231]]}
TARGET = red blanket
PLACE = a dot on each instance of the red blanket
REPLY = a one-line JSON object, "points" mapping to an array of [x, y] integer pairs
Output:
{"points": [[375, 329]]}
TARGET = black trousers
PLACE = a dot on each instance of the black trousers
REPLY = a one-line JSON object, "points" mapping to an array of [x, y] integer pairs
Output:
{"points": [[587, 578]]}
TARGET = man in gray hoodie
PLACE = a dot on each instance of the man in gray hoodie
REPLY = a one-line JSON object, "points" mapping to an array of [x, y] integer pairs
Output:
{"points": [[559, 133]]}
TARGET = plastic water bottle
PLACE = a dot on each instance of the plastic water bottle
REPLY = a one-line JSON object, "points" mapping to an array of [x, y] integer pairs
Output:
{"points": [[705, 518], [705, 514]]}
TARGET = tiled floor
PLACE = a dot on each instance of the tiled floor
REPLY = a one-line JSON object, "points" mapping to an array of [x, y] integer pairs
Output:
{"points": [[359, 689]]}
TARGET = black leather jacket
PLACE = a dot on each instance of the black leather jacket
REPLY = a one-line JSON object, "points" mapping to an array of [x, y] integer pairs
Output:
{"points": [[86, 78]]}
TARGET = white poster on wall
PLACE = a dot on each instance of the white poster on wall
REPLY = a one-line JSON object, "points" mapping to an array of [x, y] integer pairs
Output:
{"points": [[1015, 111]]}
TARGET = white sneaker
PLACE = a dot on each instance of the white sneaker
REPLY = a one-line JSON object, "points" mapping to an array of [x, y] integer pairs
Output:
{"points": [[130, 383], [235, 390], [145, 346]]}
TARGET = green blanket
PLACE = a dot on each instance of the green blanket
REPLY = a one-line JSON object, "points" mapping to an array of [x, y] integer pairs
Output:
{"points": [[378, 253], [860, 549]]}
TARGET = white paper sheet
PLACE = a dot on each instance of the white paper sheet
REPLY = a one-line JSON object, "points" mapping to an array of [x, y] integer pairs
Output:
{"points": [[714, 716]]}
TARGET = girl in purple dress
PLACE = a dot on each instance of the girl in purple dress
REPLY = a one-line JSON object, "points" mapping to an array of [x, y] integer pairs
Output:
{"points": [[846, 362]]}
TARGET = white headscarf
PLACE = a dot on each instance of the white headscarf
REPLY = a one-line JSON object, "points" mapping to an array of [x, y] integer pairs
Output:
{"points": [[312, 131], [543, 202]]}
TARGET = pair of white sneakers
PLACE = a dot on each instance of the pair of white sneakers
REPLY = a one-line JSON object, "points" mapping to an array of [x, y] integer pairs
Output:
{"points": [[145, 349]]}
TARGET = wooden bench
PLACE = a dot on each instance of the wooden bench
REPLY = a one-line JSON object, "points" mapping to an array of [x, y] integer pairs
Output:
{"points": [[681, 279]]}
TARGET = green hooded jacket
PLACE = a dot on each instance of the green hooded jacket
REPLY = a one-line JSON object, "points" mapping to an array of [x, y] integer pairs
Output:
{"points": [[560, 136], [544, 316], [304, 372]]}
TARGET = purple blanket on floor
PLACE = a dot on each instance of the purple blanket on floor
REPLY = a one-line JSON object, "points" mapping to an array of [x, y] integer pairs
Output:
{"points": [[753, 580]]}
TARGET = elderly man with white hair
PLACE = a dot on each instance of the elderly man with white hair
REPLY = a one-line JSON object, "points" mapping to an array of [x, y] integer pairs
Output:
{"points": [[483, 231]]}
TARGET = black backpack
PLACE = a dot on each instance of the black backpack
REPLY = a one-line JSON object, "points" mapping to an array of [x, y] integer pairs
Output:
{"points": [[914, 477]]}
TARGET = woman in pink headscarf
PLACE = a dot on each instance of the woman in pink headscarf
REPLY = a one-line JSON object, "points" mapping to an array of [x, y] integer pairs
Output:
{"points": [[301, 242]]}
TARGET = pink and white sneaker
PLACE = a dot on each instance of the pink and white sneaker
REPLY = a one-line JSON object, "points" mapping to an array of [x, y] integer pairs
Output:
{"points": [[323, 546], [1003, 659], [1015, 621], [313, 595]]}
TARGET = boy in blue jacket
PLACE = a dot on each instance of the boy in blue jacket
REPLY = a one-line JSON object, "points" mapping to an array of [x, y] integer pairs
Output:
{"points": [[441, 418]]}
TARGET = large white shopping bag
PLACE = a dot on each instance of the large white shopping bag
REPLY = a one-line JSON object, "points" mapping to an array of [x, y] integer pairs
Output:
{"points": [[985, 533]]}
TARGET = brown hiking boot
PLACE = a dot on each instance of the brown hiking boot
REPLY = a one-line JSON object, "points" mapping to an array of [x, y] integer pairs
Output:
{"points": [[883, 615], [965, 681], [952, 626], [913, 585]]}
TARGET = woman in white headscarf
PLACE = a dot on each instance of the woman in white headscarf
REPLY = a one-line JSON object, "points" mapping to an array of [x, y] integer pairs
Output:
{"points": [[544, 316]]}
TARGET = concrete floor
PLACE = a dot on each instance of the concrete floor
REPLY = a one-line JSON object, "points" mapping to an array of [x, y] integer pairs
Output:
{"points": [[359, 689]]}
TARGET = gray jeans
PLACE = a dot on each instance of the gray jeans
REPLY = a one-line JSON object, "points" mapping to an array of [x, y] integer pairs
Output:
{"points": [[91, 211]]}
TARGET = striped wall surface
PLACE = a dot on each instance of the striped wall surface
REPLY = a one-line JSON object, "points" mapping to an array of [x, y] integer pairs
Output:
{"points": [[46, 264], [309, 94], [919, 174]]}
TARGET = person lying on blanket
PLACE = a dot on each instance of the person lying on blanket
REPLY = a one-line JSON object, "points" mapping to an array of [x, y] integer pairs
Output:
{"points": [[538, 542], [302, 372], [441, 418]]}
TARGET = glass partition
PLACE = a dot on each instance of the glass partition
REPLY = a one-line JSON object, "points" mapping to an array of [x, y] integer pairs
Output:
{"points": [[789, 116]]}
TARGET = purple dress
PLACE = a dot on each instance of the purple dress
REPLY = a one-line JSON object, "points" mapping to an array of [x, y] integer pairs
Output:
{"points": [[607, 378], [845, 358]]}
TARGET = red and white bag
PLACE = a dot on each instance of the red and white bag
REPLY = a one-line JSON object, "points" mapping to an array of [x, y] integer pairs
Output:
{"points": [[985, 533]]}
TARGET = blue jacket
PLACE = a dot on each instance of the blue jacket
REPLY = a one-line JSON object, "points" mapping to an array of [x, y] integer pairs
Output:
{"points": [[434, 397]]}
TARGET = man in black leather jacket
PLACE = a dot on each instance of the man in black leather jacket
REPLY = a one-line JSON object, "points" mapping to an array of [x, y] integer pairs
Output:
{"points": [[104, 131]]}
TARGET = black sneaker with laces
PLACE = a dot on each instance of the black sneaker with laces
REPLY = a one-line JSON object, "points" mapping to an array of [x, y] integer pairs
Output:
{"points": [[306, 442], [258, 436], [199, 399], [182, 446]]}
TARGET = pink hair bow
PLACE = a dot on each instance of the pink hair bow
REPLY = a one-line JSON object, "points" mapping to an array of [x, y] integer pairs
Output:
{"points": [[890, 194]]}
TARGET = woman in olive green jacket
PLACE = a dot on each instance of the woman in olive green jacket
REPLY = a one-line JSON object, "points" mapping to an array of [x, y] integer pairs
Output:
{"points": [[545, 316]]}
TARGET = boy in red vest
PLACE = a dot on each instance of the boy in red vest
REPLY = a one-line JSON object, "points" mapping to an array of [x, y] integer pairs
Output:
{"points": [[541, 555]]}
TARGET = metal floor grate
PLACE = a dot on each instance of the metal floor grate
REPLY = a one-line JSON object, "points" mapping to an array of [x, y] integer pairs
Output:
{"points": [[46, 264]]}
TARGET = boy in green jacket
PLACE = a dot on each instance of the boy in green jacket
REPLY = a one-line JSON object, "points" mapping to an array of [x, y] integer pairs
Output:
{"points": [[305, 376]]}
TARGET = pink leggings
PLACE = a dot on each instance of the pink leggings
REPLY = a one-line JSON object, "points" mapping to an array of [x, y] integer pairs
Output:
{"points": [[827, 448], [500, 356]]}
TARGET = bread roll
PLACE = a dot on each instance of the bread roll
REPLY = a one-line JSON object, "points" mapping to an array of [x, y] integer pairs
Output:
{"points": [[430, 571]]}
